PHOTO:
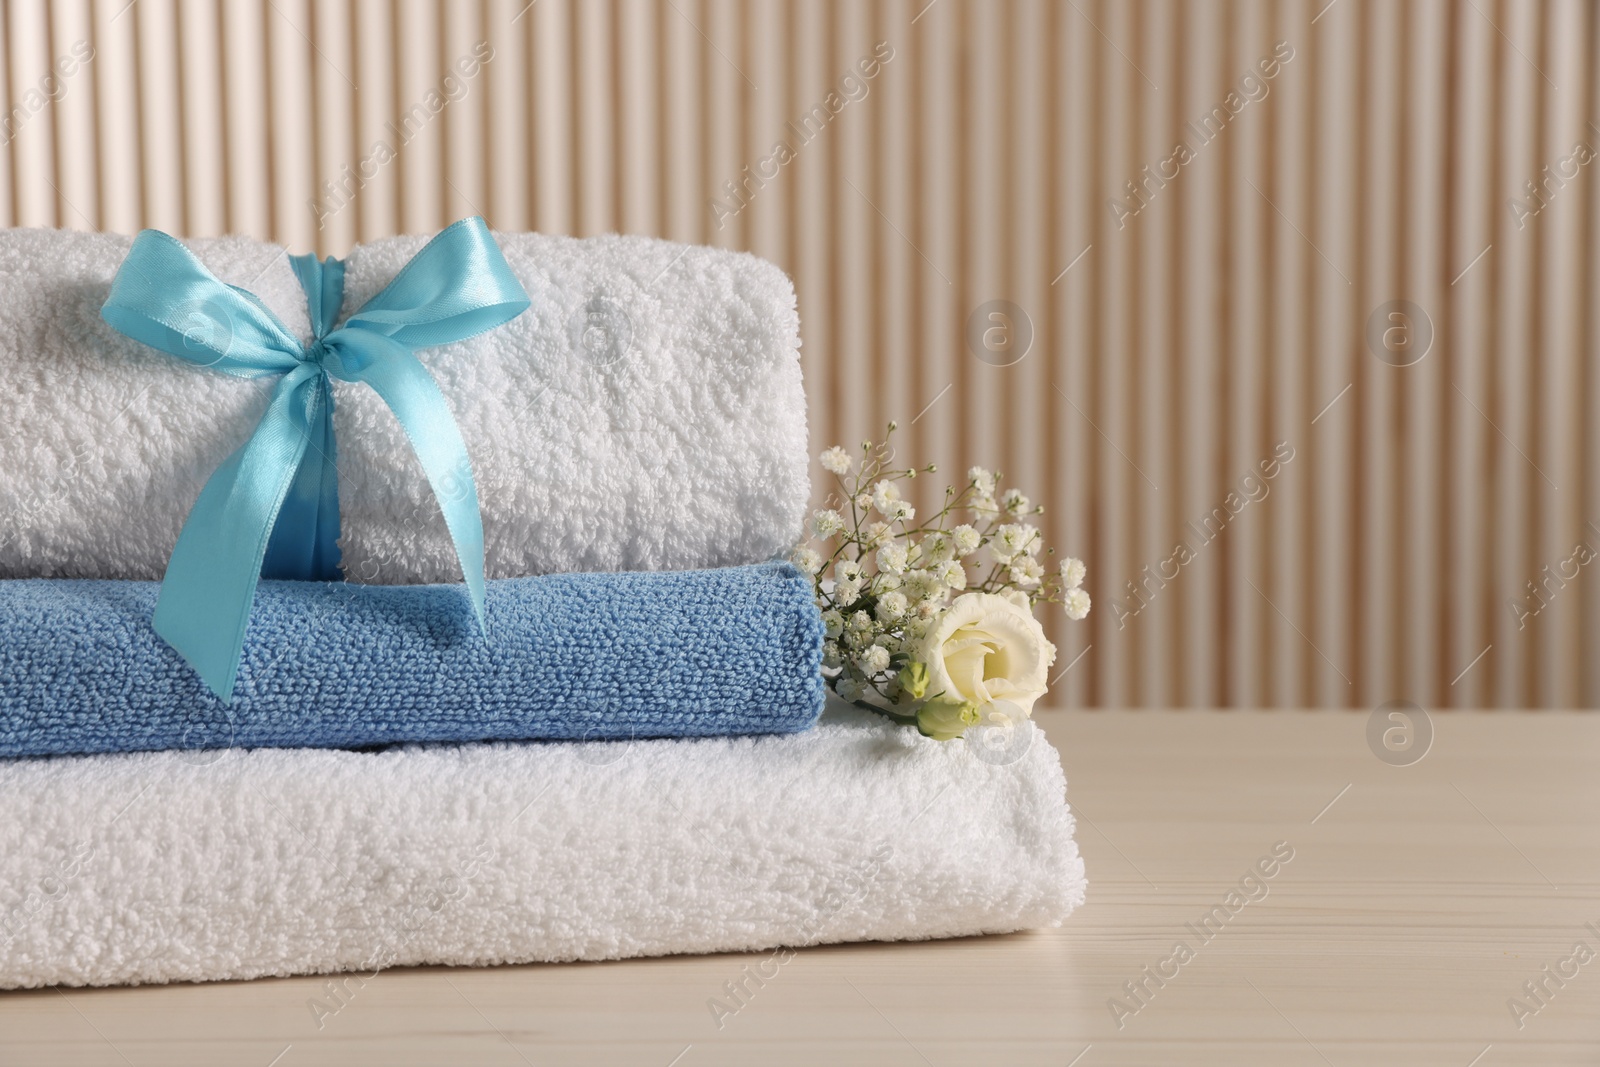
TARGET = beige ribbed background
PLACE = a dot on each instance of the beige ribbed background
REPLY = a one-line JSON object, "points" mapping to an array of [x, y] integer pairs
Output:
{"points": [[1173, 348]]}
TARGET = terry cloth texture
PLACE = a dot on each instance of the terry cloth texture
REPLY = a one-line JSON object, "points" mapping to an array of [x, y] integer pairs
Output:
{"points": [[172, 866], [331, 664], [646, 413]]}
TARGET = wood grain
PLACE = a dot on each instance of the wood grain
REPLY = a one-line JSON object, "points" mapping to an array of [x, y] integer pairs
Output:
{"points": [[1418, 901]]}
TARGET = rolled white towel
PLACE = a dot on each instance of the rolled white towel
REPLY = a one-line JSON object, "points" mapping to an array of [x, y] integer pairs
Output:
{"points": [[645, 413], [202, 865]]}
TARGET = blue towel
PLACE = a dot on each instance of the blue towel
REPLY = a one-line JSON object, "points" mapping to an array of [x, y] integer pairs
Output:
{"points": [[336, 665]]}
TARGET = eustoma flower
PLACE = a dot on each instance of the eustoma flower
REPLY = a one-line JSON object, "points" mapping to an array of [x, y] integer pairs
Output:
{"points": [[986, 648]]}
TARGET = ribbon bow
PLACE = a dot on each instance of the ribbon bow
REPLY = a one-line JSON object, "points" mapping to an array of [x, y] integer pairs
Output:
{"points": [[272, 508]]}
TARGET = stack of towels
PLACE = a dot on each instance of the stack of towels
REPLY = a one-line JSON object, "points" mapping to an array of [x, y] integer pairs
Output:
{"points": [[630, 757]]}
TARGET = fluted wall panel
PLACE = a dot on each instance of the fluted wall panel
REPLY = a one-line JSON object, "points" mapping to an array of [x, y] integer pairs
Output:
{"points": [[1202, 213]]}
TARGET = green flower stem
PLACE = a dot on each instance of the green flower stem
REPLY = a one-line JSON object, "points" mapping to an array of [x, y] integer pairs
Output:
{"points": [[902, 719]]}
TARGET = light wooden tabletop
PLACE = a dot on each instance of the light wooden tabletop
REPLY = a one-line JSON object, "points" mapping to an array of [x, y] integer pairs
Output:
{"points": [[1419, 900]]}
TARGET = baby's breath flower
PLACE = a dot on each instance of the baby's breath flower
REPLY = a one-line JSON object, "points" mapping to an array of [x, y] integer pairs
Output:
{"points": [[838, 461], [1073, 572], [891, 606], [915, 628], [936, 547], [951, 574], [863, 501], [983, 503], [874, 534], [965, 540], [1010, 541], [874, 659], [846, 592], [921, 584], [848, 688], [884, 496], [847, 570], [860, 622], [807, 559], [900, 511], [982, 480], [886, 582], [832, 658], [1077, 604], [827, 523], [1026, 572], [833, 623], [892, 558], [1016, 502], [1032, 539]]}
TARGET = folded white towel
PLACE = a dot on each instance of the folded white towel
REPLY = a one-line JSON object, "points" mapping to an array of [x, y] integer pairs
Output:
{"points": [[235, 864], [645, 413]]}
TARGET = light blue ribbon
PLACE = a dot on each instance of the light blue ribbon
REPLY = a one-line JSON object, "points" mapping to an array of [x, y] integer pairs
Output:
{"points": [[272, 507]]}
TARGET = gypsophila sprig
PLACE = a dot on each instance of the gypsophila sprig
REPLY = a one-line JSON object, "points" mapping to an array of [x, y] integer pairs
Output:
{"points": [[931, 622]]}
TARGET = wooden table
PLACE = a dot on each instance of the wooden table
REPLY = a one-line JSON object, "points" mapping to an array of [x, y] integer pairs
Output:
{"points": [[1419, 900]]}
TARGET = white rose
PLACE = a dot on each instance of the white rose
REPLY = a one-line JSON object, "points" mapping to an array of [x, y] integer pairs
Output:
{"points": [[985, 648]]}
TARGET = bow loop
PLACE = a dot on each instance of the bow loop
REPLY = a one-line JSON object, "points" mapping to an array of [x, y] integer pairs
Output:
{"points": [[424, 306], [164, 296], [271, 508]]}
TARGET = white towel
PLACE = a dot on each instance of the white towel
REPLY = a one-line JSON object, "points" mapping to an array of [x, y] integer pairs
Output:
{"points": [[175, 866], [645, 413]]}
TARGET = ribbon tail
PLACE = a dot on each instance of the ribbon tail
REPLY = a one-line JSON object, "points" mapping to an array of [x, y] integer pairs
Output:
{"points": [[305, 538], [414, 397], [204, 606]]}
